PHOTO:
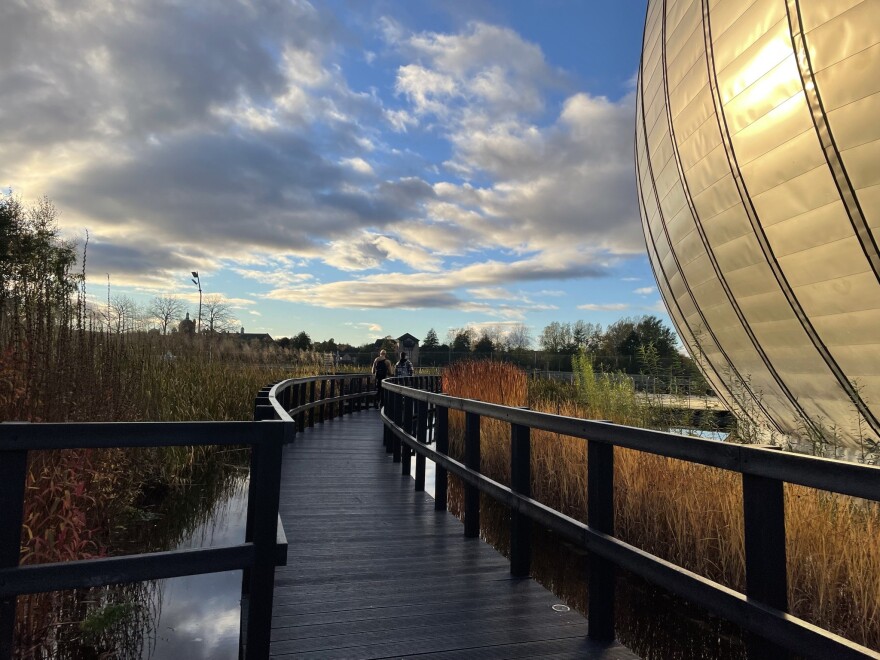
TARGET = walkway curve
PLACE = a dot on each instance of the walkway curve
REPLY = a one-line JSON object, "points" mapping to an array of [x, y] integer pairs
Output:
{"points": [[374, 571]]}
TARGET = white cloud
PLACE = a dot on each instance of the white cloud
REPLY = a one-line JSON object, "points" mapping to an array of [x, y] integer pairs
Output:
{"points": [[607, 307], [275, 276], [213, 138], [359, 165], [370, 251], [429, 91], [645, 291], [400, 120], [369, 327], [492, 293], [449, 289]]}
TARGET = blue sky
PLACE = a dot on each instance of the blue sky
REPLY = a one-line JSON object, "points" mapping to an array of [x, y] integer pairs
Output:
{"points": [[347, 168]]}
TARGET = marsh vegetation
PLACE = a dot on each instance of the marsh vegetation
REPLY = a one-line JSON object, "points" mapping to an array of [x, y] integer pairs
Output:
{"points": [[66, 358], [685, 513]]}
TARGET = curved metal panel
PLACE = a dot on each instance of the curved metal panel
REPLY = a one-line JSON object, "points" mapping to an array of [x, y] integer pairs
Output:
{"points": [[760, 200]]}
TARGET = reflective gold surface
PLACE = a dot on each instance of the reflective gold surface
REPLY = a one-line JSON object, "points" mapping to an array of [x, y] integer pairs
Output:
{"points": [[758, 165]]}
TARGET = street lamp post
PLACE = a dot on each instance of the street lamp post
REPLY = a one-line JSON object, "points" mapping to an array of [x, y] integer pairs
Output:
{"points": [[198, 283]]}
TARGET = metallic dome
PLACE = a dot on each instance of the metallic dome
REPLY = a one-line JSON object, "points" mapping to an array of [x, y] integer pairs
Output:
{"points": [[758, 167]]}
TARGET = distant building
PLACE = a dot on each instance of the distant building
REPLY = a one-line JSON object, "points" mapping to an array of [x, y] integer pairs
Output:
{"points": [[409, 345], [187, 326], [263, 338]]}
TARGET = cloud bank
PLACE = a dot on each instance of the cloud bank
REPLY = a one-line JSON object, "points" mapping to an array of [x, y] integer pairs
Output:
{"points": [[197, 135]]}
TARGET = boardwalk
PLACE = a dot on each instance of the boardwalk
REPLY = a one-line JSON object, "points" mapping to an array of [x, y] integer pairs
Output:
{"points": [[374, 572]]}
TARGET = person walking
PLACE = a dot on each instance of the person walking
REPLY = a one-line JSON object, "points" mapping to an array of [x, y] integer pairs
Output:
{"points": [[381, 370], [403, 367]]}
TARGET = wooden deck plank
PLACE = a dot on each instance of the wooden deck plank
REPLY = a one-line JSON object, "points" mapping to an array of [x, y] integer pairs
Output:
{"points": [[374, 572]]}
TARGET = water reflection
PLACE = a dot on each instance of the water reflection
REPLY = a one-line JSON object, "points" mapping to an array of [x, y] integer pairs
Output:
{"points": [[198, 615], [721, 436]]}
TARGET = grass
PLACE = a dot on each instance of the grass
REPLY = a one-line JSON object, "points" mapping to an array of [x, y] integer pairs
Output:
{"points": [[685, 513]]}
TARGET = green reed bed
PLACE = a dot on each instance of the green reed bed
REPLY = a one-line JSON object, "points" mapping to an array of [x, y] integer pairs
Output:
{"points": [[688, 514]]}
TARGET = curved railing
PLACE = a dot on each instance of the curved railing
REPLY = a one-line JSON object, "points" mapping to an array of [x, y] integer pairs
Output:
{"points": [[416, 413], [297, 401], [305, 400]]}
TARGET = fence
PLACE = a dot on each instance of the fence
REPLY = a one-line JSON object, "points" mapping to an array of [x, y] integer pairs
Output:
{"points": [[416, 412], [265, 547], [294, 403]]}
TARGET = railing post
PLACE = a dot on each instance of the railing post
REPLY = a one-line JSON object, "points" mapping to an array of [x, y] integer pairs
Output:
{"points": [[441, 442], [520, 482], [764, 527], [285, 398], [395, 400], [13, 473], [323, 406], [330, 414], [312, 390], [600, 517], [267, 475], [387, 435], [471, 461], [262, 398], [345, 406], [405, 451], [341, 409], [421, 437], [303, 399]]}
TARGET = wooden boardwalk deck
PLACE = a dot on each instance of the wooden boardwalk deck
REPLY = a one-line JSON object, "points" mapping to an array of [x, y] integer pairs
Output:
{"points": [[375, 572]]}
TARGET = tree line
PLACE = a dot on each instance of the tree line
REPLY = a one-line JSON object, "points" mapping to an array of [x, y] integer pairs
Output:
{"points": [[641, 345]]}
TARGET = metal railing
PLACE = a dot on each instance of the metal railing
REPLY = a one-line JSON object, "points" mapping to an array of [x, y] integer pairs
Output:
{"points": [[415, 413], [265, 547], [294, 403], [316, 398]]}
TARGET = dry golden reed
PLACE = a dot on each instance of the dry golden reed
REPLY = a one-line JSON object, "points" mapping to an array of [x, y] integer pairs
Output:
{"points": [[686, 513]]}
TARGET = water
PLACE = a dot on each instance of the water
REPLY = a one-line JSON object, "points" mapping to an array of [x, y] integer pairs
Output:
{"points": [[721, 436], [198, 616]]}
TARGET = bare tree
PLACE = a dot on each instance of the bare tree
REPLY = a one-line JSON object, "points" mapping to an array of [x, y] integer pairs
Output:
{"points": [[165, 310], [519, 337], [217, 314], [122, 315]]}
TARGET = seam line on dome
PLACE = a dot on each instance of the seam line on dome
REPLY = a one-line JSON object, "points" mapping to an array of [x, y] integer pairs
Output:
{"points": [[845, 188], [651, 244], [709, 252], [765, 246]]}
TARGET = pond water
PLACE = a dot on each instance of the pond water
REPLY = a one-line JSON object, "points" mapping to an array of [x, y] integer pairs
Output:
{"points": [[721, 436], [198, 615]]}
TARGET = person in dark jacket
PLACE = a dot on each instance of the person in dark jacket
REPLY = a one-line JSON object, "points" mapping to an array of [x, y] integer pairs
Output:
{"points": [[381, 370], [403, 367]]}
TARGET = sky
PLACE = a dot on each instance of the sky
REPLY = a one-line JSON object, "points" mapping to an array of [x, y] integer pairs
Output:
{"points": [[352, 169]]}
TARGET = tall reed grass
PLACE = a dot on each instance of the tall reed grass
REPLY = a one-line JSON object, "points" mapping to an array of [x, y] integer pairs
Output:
{"points": [[685, 513], [59, 362]]}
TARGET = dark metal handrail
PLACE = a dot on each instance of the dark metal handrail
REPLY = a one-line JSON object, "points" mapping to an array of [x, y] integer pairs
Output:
{"points": [[265, 548], [414, 409], [300, 400], [291, 402]]}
